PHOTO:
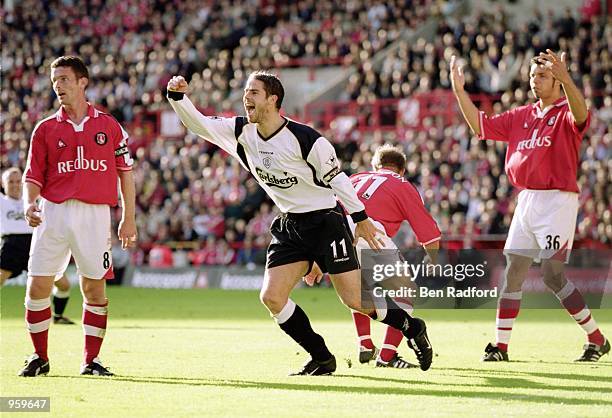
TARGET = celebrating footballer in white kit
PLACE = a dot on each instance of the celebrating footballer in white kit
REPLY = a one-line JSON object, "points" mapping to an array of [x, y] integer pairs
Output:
{"points": [[542, 160], [299, 170]]}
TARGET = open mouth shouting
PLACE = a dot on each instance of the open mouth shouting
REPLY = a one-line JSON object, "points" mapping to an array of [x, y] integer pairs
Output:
{"points": [[250, 109]]}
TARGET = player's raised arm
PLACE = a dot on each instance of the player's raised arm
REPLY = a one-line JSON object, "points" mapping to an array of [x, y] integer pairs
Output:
{"points": [[575, 99], [218, 130], [496, 127], [468, 109]]}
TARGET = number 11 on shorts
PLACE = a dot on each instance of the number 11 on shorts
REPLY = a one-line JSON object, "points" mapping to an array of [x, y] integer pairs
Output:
{"points": [[335, 249]]}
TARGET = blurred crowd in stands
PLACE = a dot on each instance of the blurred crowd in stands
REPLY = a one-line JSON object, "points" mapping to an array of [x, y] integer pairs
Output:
{"points": [[461, 179], [197, 206]]}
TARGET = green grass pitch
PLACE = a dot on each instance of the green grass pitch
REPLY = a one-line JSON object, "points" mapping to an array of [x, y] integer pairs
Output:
{"points": [[218, 353]]}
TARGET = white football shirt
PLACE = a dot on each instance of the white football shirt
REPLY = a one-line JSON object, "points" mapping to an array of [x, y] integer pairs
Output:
{"points": [[296, 165], [12, 217]]}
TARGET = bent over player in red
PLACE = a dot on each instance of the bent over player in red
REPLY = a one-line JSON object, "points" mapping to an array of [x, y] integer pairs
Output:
{"points": [[389, 200], [74, 161]]}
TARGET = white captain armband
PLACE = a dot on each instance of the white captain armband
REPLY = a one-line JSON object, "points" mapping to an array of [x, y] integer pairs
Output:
{"points": [[121, 151]]}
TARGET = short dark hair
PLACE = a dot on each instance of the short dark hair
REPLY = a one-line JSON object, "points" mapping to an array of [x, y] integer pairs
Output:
{"points": [[272, 85], [537, 61], [74, 62], [388, 155]]}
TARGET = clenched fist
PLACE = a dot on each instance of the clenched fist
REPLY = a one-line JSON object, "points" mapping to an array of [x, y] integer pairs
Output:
{"points": [[178, 83]]}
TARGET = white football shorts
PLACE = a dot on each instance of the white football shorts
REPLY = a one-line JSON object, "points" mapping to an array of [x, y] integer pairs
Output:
{"points": [[387, 242], [543, 225], [74, 228], [390, 256]]}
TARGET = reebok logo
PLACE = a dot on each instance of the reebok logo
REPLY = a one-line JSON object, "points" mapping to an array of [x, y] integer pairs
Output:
{"points": [[534, 142], [81, 163], [273, 181]]}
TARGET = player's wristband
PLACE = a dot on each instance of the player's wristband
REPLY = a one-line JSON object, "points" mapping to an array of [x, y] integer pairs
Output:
{"points": [[175, 95], [359, 216]]}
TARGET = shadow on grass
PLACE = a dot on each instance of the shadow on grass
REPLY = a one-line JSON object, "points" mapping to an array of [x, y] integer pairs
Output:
{"points": [[407, 391], [193, 328], [579, 364], [491, 382], [564, 376], [518, 382]]}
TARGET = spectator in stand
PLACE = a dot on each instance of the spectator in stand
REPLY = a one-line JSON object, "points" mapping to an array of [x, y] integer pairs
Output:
{"points": [[160, 256], [133, 47]]}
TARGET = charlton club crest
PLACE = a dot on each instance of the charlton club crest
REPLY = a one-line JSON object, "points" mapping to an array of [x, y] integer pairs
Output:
{"points": [[100, 138]]}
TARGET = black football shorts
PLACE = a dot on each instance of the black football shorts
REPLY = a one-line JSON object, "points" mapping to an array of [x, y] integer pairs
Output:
{"points": [[14, 253], [321, 236]]}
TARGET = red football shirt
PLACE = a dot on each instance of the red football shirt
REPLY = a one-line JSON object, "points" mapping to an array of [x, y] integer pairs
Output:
{"points": [[70, 161], [543, 145], [390, 199]]}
